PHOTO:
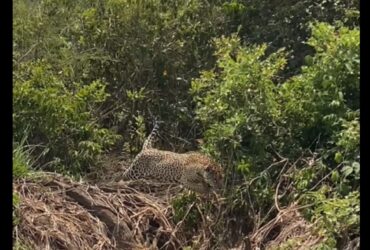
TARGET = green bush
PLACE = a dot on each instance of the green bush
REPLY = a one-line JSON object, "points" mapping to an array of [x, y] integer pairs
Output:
{"points": [[321, 105], [316, 101], [183, 211], [250, 121], [244, 112], [287, 24], [236, 102], [59, 119], [147, 52], [334, 218], [238, 107]]}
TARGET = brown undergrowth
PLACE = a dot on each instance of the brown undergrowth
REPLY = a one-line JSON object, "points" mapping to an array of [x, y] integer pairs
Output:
{"points": [[56, 212]]}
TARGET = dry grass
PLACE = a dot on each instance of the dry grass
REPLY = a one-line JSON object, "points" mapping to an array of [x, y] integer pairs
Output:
{"points": [[57, 213], [50, 220], [287, 225]]}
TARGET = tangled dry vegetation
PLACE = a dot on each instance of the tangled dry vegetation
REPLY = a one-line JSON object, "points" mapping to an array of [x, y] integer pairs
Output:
{"points": [[56, 212]]}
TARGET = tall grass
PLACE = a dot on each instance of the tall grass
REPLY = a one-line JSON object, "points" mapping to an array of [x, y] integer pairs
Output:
{"points": [[22, 160]]}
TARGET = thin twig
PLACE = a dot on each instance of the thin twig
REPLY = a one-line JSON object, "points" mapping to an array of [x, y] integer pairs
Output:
{"points": [[326, 176], [29, 51]]}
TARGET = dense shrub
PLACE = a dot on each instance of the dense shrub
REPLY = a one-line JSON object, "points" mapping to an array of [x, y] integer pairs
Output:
{"points": [[147, 52], [286, 23], [236, 102], [244, 112], [250, 122], [58, 119]]}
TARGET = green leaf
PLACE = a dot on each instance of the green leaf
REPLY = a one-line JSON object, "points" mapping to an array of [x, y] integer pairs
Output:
{"points": [[338, 157], [347, 170], [335, 176]]}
